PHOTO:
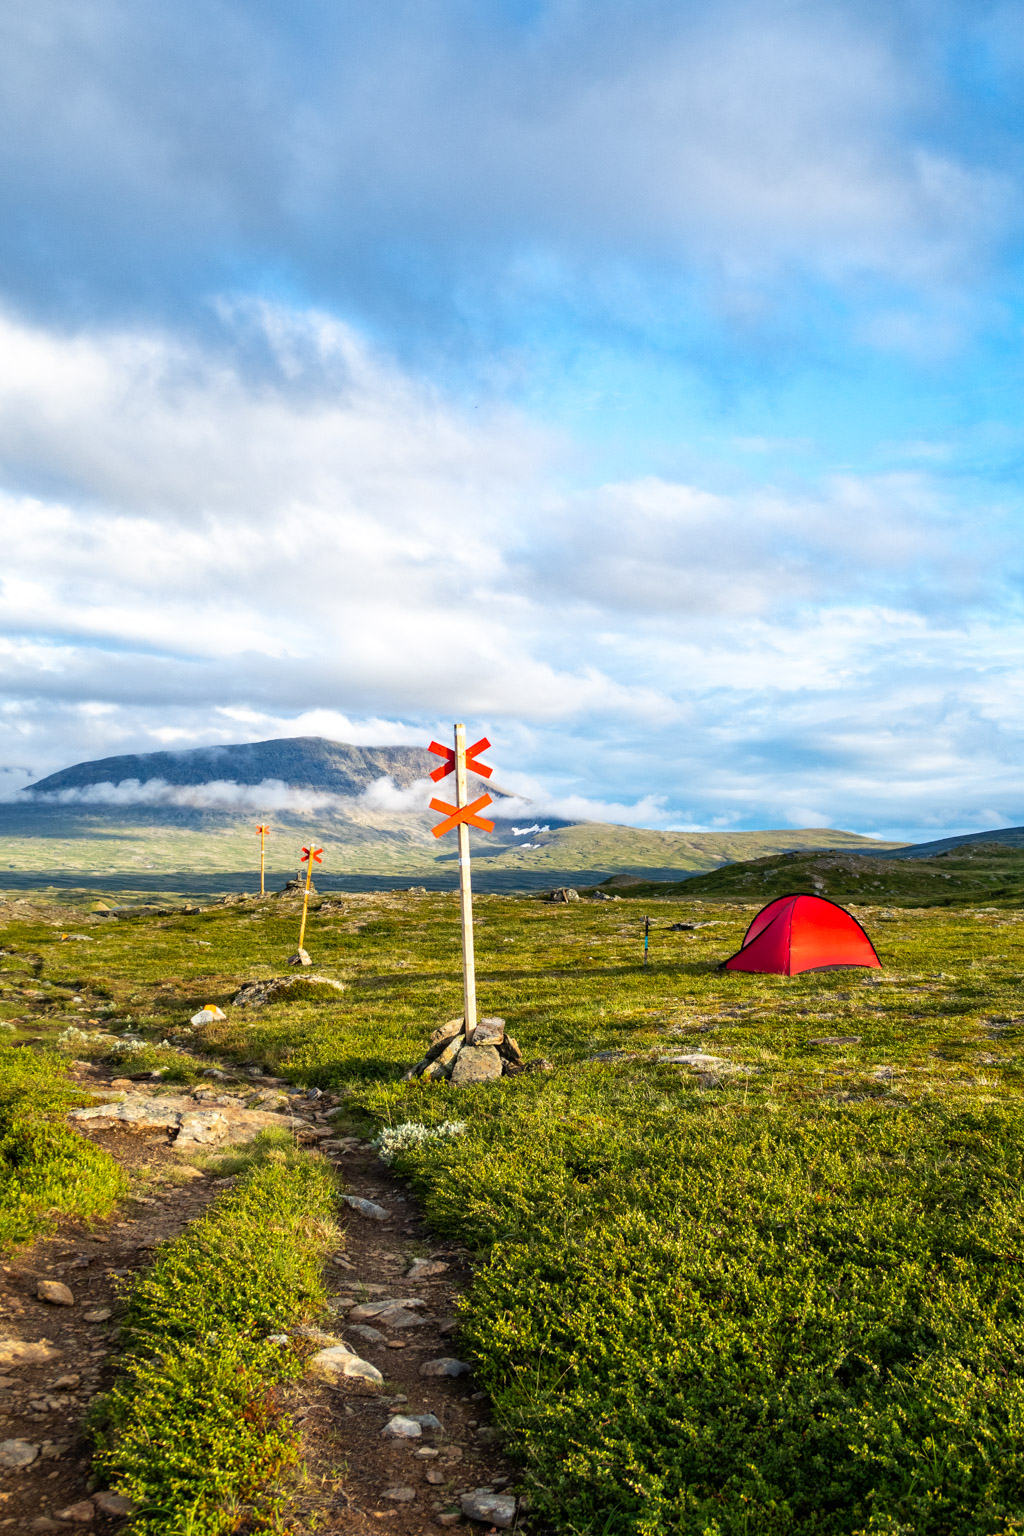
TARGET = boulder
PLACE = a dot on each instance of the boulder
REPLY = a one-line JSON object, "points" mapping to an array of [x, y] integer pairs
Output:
{"points": [[341, 1367], [289, 989], [476, 1064]]}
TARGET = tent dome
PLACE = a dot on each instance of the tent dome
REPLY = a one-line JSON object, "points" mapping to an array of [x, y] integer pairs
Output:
{"points": [[802, 933]]}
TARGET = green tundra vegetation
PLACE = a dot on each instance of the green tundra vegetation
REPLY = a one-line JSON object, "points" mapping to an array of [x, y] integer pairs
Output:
{"points": [[776, 1286]]}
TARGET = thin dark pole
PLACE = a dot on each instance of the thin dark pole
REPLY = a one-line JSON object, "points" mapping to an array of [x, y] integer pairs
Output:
{"points": [[647, 939]]}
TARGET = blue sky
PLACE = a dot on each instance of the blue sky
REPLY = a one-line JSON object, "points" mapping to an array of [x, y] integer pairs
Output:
{"points": [[641, 383]]}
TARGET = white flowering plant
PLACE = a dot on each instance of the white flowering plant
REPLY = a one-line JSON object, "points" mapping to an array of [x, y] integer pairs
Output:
{"points": [[410, 1135]]}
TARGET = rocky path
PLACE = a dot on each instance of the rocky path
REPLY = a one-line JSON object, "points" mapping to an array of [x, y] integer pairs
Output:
{"points": [[415, 1453]]}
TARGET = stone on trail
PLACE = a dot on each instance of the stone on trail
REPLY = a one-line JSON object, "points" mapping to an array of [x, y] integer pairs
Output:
{"points": [[341, 1367], [401, 1428], [110, 1503], [82, 1513], [300, 957], [15, 1454], [209, 1013], [494, 1508], [489, 1032], [373, 1309], [476, 1064], [400, 1495], [42, 1525], [400, 1317], [365, 1333], [21, 1352], [55, 1292], [446, 1366], [367, 1208], [425, 1269]]}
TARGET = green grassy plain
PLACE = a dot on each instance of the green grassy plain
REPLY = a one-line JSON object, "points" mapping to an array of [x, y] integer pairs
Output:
{"points": [[778, 1291]]}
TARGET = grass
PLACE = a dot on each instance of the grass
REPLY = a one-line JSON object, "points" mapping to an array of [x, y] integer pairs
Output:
{"points": [[781, 1293], [46, 1170], [193, 1432]]}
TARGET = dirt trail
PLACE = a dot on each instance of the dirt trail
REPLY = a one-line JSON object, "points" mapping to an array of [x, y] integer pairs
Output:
{"points": [[356, 1479]]}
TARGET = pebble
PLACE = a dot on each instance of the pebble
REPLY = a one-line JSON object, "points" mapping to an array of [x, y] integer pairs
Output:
{"points": [[55, 1292], [43, 1525], [367, 1208], [426, 1420], [435, 1476], [15, 1454], [98, 1315], [446, 1366], [401, 1428], [402, 1494], [495, 1508], [449, 1517]]}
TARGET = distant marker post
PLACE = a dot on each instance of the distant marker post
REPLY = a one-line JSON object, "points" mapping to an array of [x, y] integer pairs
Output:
{"points": [[262, 830], [309, 856], [463, 816], [647, 939]]}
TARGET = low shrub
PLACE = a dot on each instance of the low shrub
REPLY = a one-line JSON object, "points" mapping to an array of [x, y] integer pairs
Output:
{"points": [[47, 1170], [192, 1431]]}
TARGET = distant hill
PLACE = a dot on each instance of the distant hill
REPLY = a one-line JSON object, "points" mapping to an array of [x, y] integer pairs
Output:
{"points": [[302, 762], [984, 872], [1012, 837]]}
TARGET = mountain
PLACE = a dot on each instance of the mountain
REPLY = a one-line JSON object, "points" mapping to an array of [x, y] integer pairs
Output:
{"points": [[1011, 837], [302, 762], [194, 828]]}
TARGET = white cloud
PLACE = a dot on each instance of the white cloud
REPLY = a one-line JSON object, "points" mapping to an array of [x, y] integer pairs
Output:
{"points": [[333, 548]]}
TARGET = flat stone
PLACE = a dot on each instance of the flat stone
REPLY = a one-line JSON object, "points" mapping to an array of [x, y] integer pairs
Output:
{"points": [[425, 1420], [98, 1315], [400, 1495], [203, 1127], [42, 1525], [494, 1508], [341, 1367], [109, 1503], [367, 1208], [81, 1513], [15, 1454], [373, 1309], [446, 1366], [300, 957], [510, 1049], [476, 1064], [401, 1428], [55, 1292], [425, 1269], [445, 1061], [21, 1352], [489, 1032]]}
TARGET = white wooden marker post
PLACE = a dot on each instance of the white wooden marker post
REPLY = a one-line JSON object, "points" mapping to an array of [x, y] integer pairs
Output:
{"points": [[463, 816]]}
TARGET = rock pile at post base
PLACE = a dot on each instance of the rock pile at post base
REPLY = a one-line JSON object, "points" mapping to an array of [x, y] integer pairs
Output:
{"points": [[450, 1057]]}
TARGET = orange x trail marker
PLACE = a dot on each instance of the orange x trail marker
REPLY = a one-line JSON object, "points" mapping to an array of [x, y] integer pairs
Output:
{"points": [[472, 766], [318, 854], [455, 814]]}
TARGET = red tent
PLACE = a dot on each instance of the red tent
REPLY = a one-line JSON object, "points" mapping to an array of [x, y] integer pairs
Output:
{"points": [[802, 933]]}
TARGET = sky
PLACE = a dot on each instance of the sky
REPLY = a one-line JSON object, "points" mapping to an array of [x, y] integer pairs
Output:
{"points": [[639, 384]]}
